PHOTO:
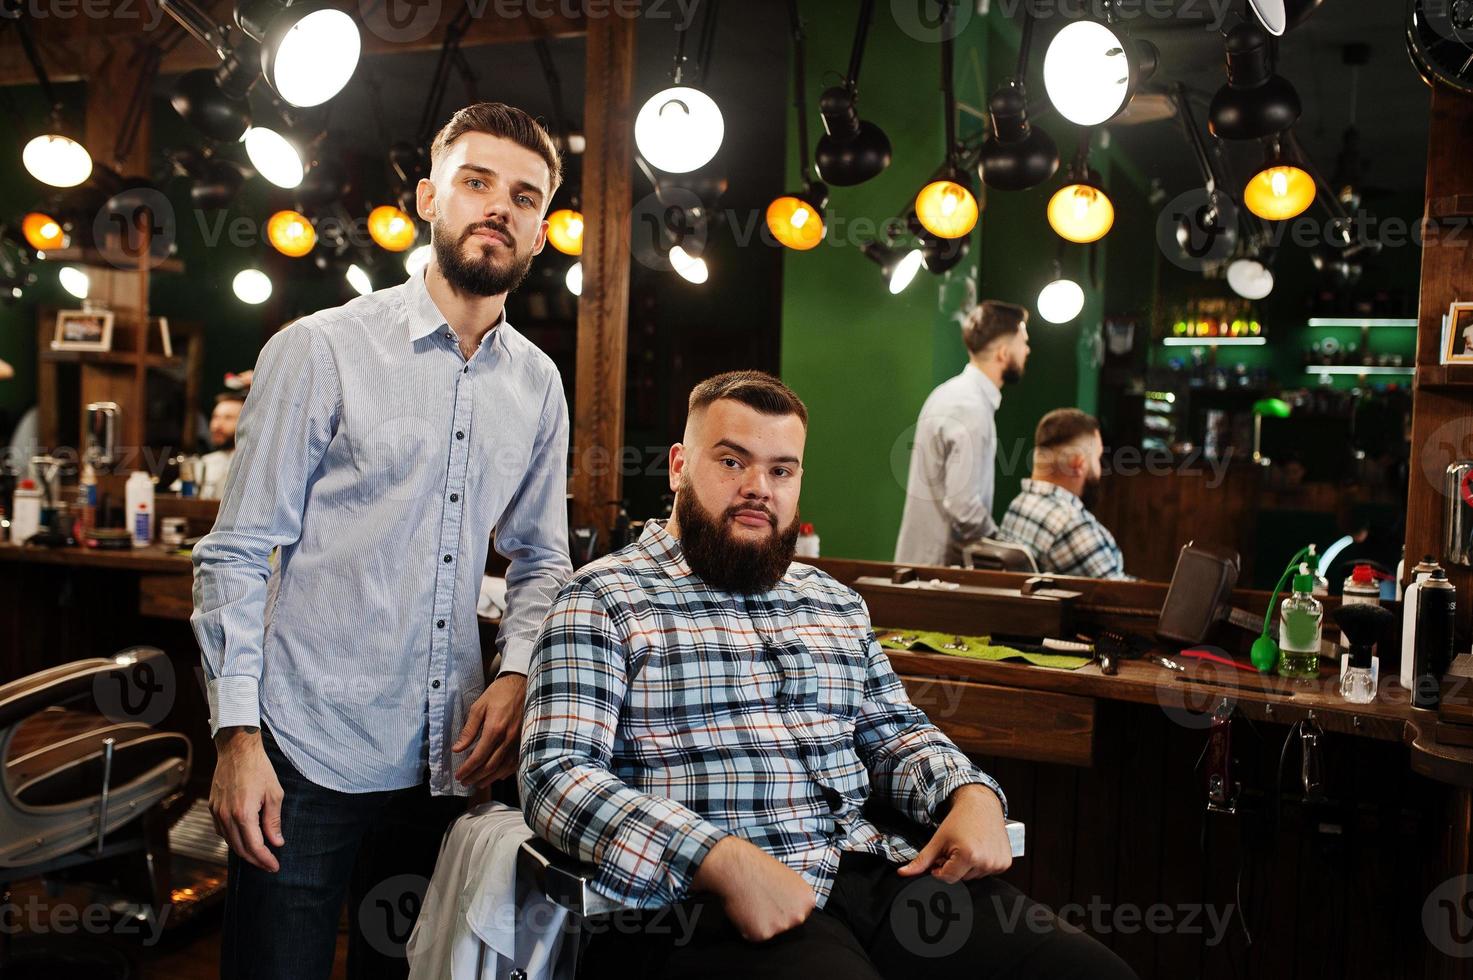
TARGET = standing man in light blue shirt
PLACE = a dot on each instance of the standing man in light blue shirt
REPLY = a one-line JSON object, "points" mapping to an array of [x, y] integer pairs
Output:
{"points": [[382, 444], [949, 490]]}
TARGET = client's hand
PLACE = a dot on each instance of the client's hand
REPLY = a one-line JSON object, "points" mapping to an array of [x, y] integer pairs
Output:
{"points": [[497, 718], [761, 895], [972, 841], [245, 797]]}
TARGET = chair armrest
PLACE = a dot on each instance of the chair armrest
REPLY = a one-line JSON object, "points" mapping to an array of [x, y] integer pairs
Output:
{"points": [[1016, 837], [564, 879]]}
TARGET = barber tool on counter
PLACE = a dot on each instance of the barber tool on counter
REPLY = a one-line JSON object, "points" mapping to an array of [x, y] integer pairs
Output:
{"points": [[1362, 625]]}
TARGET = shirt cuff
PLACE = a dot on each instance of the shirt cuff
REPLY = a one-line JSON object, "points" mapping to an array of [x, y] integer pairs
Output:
{"points": [[688, 847], [516, 657], [970, 776], [234, 700]]}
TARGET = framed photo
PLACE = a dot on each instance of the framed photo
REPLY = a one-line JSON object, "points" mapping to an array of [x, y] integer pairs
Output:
{"points": [[1458, 337], [166, 342], [83, 330]]}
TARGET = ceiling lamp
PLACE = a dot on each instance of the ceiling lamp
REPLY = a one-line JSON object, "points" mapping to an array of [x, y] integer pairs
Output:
{"points": [[358, 278], [391, 228], [1282, 188], [852, 150], [680, 128], [1250, 278], [573, 279], [1016, 155], [252, 286], [938, 255], [1091, 70], [213, 100], [796, 219], [1081, 211], [274, 156], [898, 265], [1061, 300], [290, 233], [416, 260], [946, 207], [43, 232], [1207, 234], [565, 231], [1278, 16], [75, 280], [57, 160], [692, 268], [1255, 102]]}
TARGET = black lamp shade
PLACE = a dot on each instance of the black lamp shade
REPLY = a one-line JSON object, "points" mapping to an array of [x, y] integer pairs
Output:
{"points": [[217, 185], [1255, 102], [1017, 155], [200, 101], [851, 151]]}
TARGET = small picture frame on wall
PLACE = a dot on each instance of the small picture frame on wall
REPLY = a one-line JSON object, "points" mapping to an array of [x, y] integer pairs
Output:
{"points": [[83, 330], [1457, 344], [166, 342]]}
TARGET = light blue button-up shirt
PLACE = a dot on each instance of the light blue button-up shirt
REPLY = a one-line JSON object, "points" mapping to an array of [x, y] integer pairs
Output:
{"points": [[379, 460]]}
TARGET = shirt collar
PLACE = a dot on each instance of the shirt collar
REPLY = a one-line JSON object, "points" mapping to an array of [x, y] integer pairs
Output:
{"points": [[1046, 489], [425, 317], [989, 390], [664, 548]]}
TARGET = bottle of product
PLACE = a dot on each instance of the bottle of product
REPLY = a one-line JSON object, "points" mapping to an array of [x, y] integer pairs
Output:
{"points": [[1437, 603], [188, 467], [1420, 571], [25, 515], [139, 497], [807, 546], [1301, 625], [86, 510], [1361, 588]]}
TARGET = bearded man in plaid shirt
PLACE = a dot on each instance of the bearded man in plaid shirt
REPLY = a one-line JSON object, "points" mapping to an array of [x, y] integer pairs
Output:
{"points": [[706, 720]]}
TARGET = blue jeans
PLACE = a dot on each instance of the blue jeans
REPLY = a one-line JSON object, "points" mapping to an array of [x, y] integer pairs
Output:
{"points": [[377, 848]]}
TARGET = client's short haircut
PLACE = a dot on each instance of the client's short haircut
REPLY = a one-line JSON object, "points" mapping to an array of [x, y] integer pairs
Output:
{"points": [[1063, 427], [755, 389], [990, 320]]}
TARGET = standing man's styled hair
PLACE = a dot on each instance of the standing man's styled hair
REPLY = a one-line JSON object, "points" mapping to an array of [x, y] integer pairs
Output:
{"points": [[990, 320], [755, 389], [507, 122]]}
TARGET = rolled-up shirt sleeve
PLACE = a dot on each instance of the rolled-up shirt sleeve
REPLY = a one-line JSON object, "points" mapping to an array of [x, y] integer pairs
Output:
{"points": [[533, 536], [285, 426]]}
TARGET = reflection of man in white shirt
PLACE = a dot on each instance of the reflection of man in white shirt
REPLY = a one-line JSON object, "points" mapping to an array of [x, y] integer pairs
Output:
{"points": [[948, 494]]}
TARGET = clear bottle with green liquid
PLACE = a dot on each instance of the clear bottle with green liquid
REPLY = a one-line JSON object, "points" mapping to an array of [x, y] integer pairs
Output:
{"points": [[1301, 625]]}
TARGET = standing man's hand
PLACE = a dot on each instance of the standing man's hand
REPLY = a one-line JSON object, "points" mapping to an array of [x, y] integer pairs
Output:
{"points": [[971, 842], [245, 797], [496, 718]]}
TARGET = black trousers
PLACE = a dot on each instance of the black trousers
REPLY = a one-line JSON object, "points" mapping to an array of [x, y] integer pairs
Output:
{"points": [[876, 925]]}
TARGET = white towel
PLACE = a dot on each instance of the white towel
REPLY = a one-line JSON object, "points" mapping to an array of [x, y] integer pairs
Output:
{"points": [[477, 921]]}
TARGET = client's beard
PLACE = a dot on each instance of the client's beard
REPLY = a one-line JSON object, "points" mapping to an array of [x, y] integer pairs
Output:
{"points": [[479, 277], [1090, 494], [723, 562]]}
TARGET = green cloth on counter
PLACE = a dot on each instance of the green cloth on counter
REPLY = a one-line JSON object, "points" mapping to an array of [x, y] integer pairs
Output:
{"points": [[972, 647]]}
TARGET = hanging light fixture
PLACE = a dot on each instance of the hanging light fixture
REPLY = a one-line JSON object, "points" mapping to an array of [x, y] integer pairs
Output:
{"points": [[252, 286], [274, 156], [1281, 188], [53, 157], [938, 255], [1250, 278], [1081, 211], [1208, 234], [573, 279], [796, 219], [390, 228], [75, 280], [852, 150], [1255, 102], [1278, 16], [692, 268], [1017, 155], [680, 128], [43, 232], [565, 231], [1091, 71], [1061, 300], [946, 206], [213, 100], [898, 265], [290, 233], [417, 259], [358, 278]]}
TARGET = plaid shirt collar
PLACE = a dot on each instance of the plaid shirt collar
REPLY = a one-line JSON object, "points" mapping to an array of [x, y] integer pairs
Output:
{"points": [[664, 550], [1055, 493]]}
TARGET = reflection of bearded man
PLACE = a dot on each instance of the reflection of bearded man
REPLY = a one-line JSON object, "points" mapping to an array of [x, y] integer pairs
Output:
{"points": [[726, 563]]}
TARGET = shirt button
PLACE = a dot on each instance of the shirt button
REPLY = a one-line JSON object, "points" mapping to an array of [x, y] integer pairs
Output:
{"points": [[447, 559], [435, 685], [450, 336], [466, 369], [460, 434], [454, 497], [440, 623]]}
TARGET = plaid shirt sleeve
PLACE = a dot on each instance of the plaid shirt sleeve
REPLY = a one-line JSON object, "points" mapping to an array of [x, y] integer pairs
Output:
{"points": [[912, 765], [1087, 549], [646, 848]]}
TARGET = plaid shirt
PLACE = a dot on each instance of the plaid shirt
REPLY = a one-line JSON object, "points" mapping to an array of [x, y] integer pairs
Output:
{"points": [[663, 715], [1065, 538]]}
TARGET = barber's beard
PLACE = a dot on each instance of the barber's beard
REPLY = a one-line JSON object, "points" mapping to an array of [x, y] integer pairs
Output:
{"points": [[225, 445], [478, 275], [724, 562], [1013, 373]]}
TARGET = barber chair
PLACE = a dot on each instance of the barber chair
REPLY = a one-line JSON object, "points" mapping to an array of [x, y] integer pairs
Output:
{"points": [[997, 555], [79, 789], [567, 882]]}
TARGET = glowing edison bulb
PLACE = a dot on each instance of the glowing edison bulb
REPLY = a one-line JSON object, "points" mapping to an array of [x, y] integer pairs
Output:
{"points": [[1280, 192], [946, 209]]}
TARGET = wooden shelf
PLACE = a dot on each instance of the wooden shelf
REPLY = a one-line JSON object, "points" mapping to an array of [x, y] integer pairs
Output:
{"points": [[119, 357], [1445, 376]]}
